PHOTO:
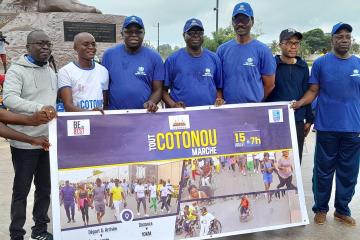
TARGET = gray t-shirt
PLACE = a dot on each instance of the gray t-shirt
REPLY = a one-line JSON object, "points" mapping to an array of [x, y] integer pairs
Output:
{"points": [[99, 194], [2, 47]]}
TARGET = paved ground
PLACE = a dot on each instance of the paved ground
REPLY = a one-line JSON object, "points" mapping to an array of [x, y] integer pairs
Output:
{"points": [[330, 231]]}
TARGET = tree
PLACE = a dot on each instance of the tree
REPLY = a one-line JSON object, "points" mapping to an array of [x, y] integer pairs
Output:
{"points": [[355, 47], [274, 46], [304, 50], [165, 50], [317, 40], [223, 35]]}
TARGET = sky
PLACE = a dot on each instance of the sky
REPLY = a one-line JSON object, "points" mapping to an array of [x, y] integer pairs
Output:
{"points": [[271, 16]]}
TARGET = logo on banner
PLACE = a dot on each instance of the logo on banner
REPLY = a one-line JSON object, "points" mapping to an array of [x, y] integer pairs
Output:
{"points": [[78, 127], [276, 115], [178, 122], [126, 215]]}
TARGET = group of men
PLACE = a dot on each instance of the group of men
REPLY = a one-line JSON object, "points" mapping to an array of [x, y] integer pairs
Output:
{"points": [[132, 77]]}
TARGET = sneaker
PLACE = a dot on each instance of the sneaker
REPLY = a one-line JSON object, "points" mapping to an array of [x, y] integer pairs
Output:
{"points": [[146, 215], [138, 214], [69, 221], [169, 211], [320, 218], [345, 219], [42, 236]]}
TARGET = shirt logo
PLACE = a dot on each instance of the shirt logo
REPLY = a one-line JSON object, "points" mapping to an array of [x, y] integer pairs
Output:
{"points": [[355, 73], [249, 62], [141, 71], [207, 73]]}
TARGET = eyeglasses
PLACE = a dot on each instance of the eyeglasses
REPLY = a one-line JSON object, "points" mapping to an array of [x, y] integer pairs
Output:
{"points": [[136, 33], [291, 44], [193, 33], [240, 18], [43, 44]]}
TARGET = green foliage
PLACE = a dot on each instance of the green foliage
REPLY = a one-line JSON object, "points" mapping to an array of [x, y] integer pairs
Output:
{"points": [[223, 35], [274, 46], [317, 41]]}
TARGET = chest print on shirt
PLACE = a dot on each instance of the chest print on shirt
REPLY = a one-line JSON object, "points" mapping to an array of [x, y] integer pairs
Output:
{"points": [[207, 72], [355, 73], [249, 62], [141, 71], [80, 88]]}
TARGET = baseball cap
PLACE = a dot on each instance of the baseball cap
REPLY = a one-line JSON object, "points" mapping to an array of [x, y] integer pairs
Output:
{"points": [[340, 26], [243, 8], [192, 22], [288, 33], [133, 19]]}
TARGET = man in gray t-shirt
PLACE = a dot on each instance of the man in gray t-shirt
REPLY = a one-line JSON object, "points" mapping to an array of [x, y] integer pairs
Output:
{"points": [[99, 198]]}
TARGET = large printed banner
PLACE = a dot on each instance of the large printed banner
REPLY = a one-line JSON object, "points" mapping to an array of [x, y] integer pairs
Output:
{"points": [[201, 172]]}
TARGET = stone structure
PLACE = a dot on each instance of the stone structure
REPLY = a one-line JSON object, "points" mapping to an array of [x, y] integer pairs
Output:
{"points": [[18, 18]]}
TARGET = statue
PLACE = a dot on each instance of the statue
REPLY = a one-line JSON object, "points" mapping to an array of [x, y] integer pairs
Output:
{"points": [[47, 6]]}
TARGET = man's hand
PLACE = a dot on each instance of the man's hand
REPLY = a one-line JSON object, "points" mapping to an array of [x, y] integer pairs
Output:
{"points": [[296, 104], [179, 105], [100, 110], [219, 102], [151, 106], [49, 111], [41, 141], [307, 127], [39, 118]]}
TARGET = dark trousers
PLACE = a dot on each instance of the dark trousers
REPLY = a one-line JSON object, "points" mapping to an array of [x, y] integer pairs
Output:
{"points": [[69, 207], [300, 137], [30, 164], [336, 152]]}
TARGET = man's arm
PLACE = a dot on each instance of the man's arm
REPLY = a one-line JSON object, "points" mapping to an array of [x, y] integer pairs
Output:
{"points": [[7, 132], [106, 99], [66, 96], [309, 96], [36, 119], [169, 101], [151, 104], [269, 84]]}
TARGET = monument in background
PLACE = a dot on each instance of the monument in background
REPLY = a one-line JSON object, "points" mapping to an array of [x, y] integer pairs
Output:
{"points": [[61, 20]]}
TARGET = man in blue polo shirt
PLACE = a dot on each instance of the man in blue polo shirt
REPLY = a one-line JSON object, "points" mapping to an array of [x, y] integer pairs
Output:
{"points": [[335, 79], [192, 74], [291, 82], [247, 64], [136, 72]]}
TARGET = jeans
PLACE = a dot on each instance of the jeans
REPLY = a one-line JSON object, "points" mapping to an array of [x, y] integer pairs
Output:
{"points": [[30, 164]]}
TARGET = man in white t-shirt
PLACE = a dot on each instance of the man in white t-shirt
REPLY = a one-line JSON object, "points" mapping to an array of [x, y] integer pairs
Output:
{"points": [[164, 191], [206, 219], [153, 197], [140, 197], [83, 83]]}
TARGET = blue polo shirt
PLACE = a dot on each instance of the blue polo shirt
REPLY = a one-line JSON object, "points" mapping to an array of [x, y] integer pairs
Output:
{"points": [[131, 76], [242, 67], [193, 80], [338, 105]]}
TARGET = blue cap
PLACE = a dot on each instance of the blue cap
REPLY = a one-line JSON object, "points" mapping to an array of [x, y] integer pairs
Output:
{"points": [[243, 8], [192, 22], [133, 19], [340, 26]]}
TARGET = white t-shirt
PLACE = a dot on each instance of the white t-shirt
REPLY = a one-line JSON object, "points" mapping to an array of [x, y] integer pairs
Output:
{"points": [[87, 85], [2, 47], [140, 191], [164, 191], [152, 189], [205, 222]]}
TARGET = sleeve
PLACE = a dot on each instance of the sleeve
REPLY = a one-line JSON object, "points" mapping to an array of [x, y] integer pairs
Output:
{"points": [[315, 73], [267, 62], [218, 73], [105, 61], [159, 72], [105, 83], [12, 94], [64, 79], [168, 67], [308, 111]]}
